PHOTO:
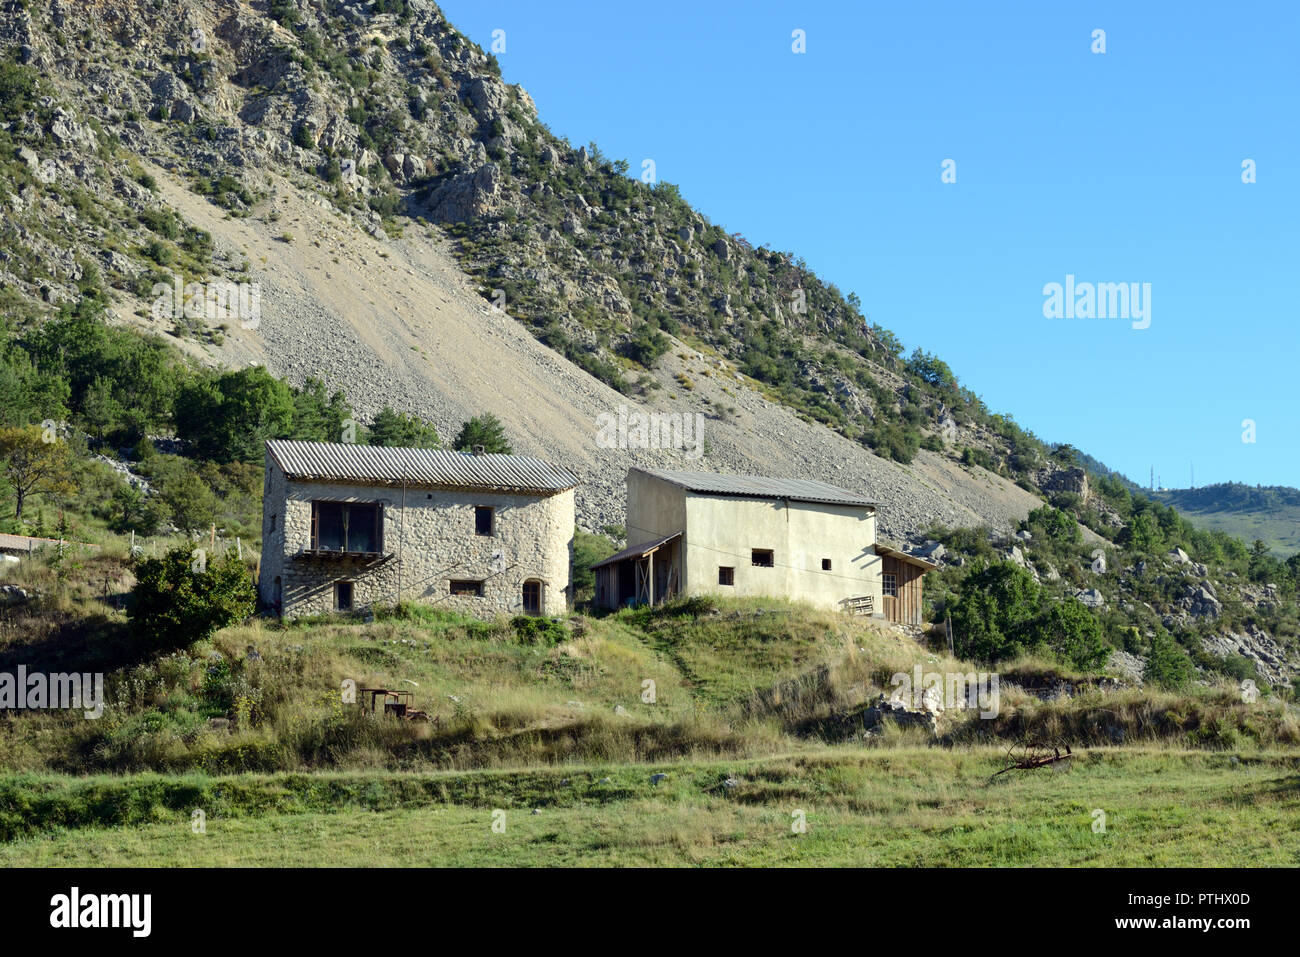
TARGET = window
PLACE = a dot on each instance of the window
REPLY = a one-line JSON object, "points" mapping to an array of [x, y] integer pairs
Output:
{"points": [[343, 596], [762, 557], [726, 576], [472, 588], [482, 520], [826, 564], [346, 527], [889, 584], [273, 521], [532, 597]]}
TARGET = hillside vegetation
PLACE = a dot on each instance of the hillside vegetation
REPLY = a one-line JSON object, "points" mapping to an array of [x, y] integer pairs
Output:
{"points": [[698, 732], [406, 213], [1270, 514], [401, 125]]}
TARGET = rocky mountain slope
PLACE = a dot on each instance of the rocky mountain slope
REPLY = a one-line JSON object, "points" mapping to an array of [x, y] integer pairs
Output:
{"points": [[418, 238], [332, 173]]}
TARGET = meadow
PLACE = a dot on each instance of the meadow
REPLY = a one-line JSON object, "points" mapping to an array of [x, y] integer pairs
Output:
{"points": [[699, 733], [909, 806]]}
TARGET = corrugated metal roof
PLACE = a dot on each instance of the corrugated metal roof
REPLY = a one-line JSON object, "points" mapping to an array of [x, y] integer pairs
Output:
{"points": [[636, 551], [884, 549], [437, 468], [760, 486]]}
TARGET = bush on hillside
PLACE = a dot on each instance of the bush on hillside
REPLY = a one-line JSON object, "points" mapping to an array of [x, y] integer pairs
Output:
{"points": [[1000, 612], [183, 597], [532, 630], [1168, 665]]}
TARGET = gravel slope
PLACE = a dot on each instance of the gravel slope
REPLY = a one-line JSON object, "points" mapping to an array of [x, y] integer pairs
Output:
{"points": [[394, 320]]}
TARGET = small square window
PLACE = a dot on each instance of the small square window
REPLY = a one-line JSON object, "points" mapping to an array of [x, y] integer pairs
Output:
{"points": [[889, 584], [483, 520], [826, 564], [726, 576], [473, 589], [763, 557], [343, 596]]}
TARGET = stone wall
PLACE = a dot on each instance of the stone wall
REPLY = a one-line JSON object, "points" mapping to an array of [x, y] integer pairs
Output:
{"points": [[429, 541]]}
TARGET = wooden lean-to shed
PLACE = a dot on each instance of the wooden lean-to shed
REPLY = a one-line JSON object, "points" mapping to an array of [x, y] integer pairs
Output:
{"points": [[900, 584]]}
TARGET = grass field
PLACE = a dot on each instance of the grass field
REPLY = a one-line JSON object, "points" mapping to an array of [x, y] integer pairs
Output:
{"points": [[898, 807], [752, 710]]}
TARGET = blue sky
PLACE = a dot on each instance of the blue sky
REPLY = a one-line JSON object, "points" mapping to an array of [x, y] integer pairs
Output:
{"points": [[1123, 166]]}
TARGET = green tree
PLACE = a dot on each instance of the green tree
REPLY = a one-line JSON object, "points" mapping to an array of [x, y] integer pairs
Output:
{"points": [[485, 430], [27, 395], [229, 417], [1263, 567], [184, 596], [100, 409], [17, 87], [931, 370], [1065, 454], [130, 510], [1055, 525], [647, 346], [33, 465], [1142, 534], [399, 430], [994, 611], [94, 363], [1168, 665], [319, 416], [1074, 633], [191, 504], [587, 549]]}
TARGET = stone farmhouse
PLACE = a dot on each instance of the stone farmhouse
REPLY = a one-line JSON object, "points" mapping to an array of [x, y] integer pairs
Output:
{"points": [[347, 526], [693, 533]]}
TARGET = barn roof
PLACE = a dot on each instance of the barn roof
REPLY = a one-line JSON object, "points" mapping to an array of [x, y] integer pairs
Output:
{"points": [[637, 551], [759, 486], [890, 552], [433, 468]]}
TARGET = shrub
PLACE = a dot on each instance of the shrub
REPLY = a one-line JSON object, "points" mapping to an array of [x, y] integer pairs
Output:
{"points": [[1075, 634], [179, 598], [539, 631], [647, 346], [1168, 666]]}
